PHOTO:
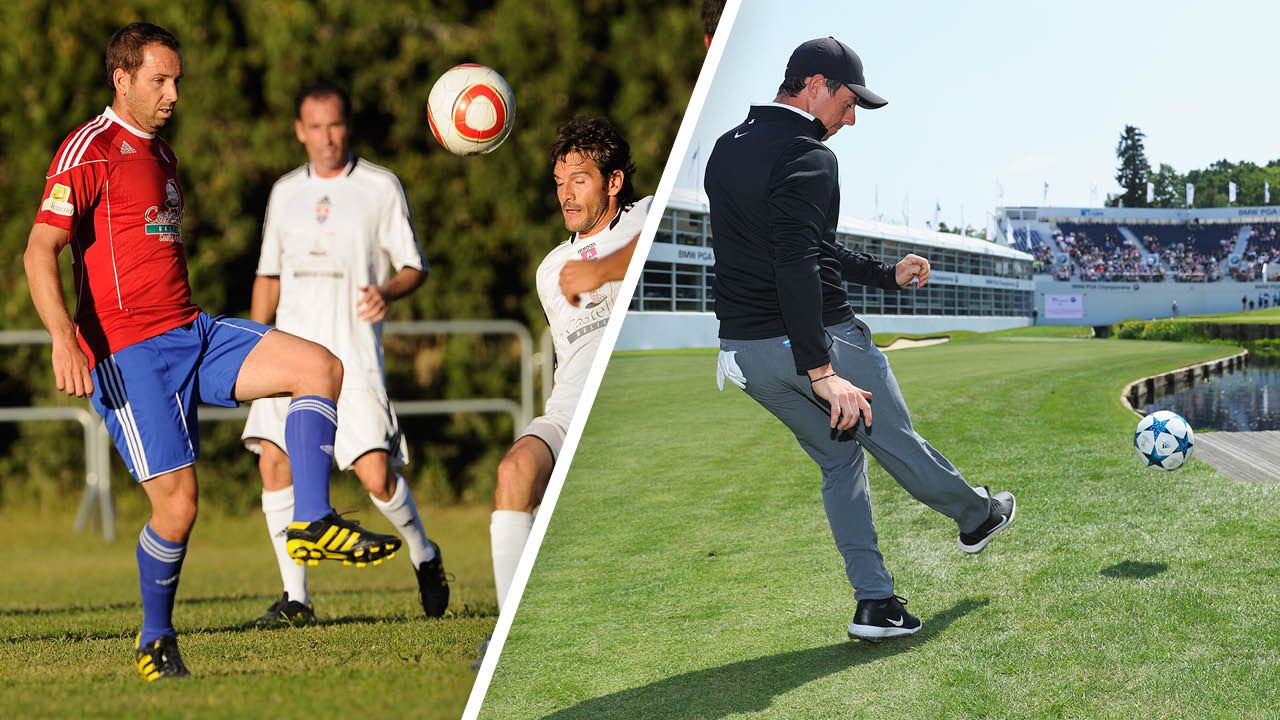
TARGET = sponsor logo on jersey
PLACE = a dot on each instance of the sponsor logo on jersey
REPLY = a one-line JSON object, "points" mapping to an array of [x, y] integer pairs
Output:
{"points": [[588, 252], [164, 222], [126, 148], [323, 208], [594, 318], [59, 201]]}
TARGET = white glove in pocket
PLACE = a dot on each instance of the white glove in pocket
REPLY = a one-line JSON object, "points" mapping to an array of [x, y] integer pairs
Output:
{"points": [[727, 367]]}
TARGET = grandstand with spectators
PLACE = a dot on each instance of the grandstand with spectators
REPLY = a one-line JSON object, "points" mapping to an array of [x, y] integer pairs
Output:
{"points": [[1096, 266], [975, 284]]}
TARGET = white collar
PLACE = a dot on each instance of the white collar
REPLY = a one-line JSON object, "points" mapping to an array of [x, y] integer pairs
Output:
{"points": [[346, 170], [112, 116], [792, 108]]}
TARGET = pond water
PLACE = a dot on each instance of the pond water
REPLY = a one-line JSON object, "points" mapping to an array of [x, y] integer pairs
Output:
{"points": [[1247, 399]]}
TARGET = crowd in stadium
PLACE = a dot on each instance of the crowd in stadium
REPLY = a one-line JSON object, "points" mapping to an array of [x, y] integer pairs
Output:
{"points": [[1263, 249], [1181, 253], [1110, 259]]}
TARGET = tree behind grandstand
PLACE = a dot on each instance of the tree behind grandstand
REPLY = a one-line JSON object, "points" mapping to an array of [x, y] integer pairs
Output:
{"points": [[484, 223], [1133, 170], [1170, 186]]}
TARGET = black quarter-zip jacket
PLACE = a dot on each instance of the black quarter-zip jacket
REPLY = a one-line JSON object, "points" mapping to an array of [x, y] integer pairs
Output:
{"points": [[774, 189]]}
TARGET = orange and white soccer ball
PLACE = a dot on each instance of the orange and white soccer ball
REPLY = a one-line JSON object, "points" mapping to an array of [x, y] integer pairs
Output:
{"points": [[471, 109]]}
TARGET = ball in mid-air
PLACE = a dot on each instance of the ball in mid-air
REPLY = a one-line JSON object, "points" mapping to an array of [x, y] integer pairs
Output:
{"points": [[470, 109], [1164, 439]]}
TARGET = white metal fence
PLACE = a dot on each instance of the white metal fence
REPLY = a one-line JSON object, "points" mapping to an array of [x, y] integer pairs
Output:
{"points": [[97, 443]]}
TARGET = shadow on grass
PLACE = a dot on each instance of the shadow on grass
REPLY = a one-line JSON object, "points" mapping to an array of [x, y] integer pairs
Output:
{"points": [[206, 600], [88, 636], [751, 685], [1133, 570]]}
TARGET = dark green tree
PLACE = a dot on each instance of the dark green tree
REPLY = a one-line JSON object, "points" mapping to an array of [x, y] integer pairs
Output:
{"points": [[1133, 169], [1170, 187]]}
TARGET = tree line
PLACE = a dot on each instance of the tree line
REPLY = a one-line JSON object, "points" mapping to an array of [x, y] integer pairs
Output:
{"points": [[1254, 183], [484, 222]]}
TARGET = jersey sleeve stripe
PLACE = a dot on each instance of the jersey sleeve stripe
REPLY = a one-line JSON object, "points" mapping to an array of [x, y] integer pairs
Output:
{"points": [[76, 137], [75, 150]]}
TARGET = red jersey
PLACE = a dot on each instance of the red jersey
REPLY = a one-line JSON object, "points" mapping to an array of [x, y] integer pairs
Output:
{"points": [[115, 189]]}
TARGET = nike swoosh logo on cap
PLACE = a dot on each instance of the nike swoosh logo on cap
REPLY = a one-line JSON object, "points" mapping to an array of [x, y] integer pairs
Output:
{"points": [[738, 135]]}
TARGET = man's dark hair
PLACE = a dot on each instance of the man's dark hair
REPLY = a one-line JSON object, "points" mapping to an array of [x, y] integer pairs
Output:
{"points": [[792, 86], [323, 89], [598, 139], [711, 10], [124, 49]]}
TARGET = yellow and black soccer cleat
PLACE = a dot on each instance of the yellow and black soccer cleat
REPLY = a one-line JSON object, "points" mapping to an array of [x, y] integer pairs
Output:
{"points": [[335, 538], [159, 660]]}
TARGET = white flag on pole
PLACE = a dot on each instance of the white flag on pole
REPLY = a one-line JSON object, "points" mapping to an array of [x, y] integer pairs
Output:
{"points": [[1266, 193], [1045, 196], [1191, 194], [1231, 192], [1151, 192]]}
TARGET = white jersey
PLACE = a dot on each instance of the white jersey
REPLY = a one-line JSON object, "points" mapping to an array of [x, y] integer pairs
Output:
{"points": [[576, 331], [326, 238]]}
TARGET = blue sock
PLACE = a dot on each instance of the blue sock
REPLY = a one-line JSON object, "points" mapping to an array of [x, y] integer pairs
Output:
{"points": [[308, 437], [159, 563]]}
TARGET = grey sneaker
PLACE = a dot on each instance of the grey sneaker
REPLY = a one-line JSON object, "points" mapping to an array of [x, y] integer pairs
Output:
{"points": [[1003, 510]]}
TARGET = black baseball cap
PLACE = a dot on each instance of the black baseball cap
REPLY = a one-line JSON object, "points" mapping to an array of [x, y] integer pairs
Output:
{"points": [[833, 59]]}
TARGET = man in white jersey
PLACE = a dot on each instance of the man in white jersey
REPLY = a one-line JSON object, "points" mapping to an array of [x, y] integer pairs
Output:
{"points": [[334, 231], [592, 169]]}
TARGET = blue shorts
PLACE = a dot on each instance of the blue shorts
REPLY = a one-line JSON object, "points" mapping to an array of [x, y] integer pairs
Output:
{"points": [[148, 392]]}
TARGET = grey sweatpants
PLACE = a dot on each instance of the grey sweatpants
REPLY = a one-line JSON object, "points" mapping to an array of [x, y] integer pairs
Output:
{"points": [[772, 381]]}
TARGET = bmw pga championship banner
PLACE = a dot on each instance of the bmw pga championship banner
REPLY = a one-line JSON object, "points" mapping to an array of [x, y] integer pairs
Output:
{"points": [[1063, 306]]}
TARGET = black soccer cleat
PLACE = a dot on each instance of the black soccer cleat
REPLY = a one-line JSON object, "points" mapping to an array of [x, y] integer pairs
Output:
{"points": [[286, 613], [1003, 509], [433, 586], [876, 620], [333, 537], [159, 660]]}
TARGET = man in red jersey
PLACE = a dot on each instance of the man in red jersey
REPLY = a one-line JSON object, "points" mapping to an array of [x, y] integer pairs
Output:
{"points": [[146, 355]]}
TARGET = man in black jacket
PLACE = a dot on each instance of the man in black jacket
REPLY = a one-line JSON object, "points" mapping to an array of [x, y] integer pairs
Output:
{"points": [[789, 338]]}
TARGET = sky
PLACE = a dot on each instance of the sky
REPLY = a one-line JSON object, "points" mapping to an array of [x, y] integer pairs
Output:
{"points": [[997, 95]]}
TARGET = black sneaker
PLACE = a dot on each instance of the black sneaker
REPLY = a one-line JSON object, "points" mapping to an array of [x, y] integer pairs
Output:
{"points": [[1003, 510], [433, 586], [159, 660], [286, 613], [876, 620]]}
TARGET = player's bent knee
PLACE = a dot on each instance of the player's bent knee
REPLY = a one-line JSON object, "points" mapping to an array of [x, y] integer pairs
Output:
{"points": [[174, 517]]}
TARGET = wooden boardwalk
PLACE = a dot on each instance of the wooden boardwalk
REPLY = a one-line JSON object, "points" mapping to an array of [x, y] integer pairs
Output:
{"points": [[1252, 457]]}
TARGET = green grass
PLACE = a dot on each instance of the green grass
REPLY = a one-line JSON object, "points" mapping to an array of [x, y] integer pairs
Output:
{"points": [[688, 571], [1268, 316], [69, 611]]}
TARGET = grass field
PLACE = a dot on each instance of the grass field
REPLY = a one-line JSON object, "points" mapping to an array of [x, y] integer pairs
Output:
{"points": [[1268, 316], [688, 571], [69, 611]]}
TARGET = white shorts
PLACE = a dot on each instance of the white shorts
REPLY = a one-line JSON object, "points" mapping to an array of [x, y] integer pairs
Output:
{"points": [[366, 422], [553, 424]]}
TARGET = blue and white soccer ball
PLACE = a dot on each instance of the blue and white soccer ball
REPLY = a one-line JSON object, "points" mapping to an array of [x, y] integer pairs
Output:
{"points": [[1164, 439]]}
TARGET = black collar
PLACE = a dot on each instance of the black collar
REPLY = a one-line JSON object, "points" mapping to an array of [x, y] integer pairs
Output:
{"points": [[771, 113]]}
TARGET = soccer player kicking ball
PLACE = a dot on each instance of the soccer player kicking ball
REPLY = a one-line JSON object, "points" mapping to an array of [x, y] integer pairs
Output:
{"points": [[334, 229], [593, 169], [145, 355]]}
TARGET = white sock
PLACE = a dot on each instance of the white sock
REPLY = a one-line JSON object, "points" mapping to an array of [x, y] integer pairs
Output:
{"points": [[402, 512], [277, 505], [508, 532]]}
